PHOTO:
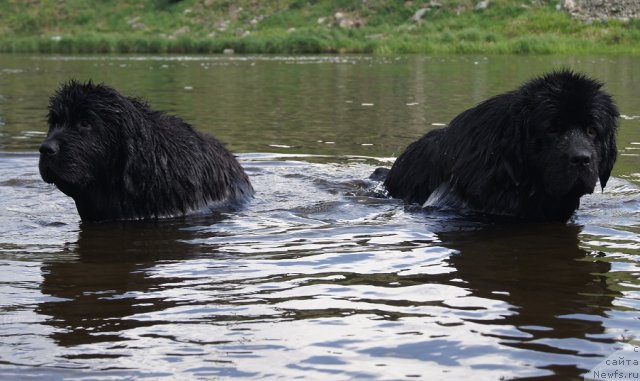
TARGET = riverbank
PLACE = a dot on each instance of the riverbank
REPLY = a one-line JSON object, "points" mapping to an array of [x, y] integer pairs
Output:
{"points": [[298, 27]]}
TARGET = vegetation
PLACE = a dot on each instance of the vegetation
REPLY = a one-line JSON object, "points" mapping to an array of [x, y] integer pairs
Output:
{"points": [[307, 26]]}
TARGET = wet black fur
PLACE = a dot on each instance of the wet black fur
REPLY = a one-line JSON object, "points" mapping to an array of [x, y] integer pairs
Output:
{"points": [[119, 159], [530, 153]]}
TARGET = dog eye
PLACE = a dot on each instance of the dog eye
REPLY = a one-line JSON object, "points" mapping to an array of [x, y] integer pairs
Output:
{"points": [[592, 132], [84, 123]]}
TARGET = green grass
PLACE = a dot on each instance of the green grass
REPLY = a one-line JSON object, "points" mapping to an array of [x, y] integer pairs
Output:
{"points": [[293, 26]]}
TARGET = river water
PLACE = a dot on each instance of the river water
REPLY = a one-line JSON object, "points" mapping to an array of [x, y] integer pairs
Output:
{"points": [[316, 279]]}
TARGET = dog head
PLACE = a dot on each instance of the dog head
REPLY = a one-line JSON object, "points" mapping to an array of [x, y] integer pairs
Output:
{"points": [[81, 141], [570, 124]]}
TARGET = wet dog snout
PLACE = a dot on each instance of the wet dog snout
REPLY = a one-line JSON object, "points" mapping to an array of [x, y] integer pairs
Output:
{"points": [[49, 148]]}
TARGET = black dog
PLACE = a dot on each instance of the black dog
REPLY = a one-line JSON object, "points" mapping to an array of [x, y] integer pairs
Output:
{"points": [[118, 159], [530, 153]]}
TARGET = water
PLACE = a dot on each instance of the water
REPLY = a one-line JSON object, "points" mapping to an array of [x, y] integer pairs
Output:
{"points": [[315, 279]]}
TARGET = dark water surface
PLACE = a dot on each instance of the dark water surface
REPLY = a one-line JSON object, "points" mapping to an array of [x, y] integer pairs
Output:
{"points": [[316, 279]]}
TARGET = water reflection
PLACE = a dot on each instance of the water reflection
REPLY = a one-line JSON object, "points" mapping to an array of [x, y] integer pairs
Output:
{"points": [[471, 292], [498, 262], [558, 293], [96, 295]]}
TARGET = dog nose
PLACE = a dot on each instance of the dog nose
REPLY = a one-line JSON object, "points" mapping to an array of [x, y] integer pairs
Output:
{"points": [[49, 148], [580, 159]]}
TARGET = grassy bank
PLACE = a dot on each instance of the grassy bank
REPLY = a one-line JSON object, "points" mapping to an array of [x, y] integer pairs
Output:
{"points": [[299, 26]]}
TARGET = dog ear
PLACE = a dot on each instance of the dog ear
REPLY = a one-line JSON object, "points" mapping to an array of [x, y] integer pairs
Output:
{"points": [[131, 131], [608, 155], [137, 161], [132, 166], [608, 151]]}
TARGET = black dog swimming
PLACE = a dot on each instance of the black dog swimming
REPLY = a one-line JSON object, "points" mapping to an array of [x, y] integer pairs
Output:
{"points": [[119, 159], [530, 153]]}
